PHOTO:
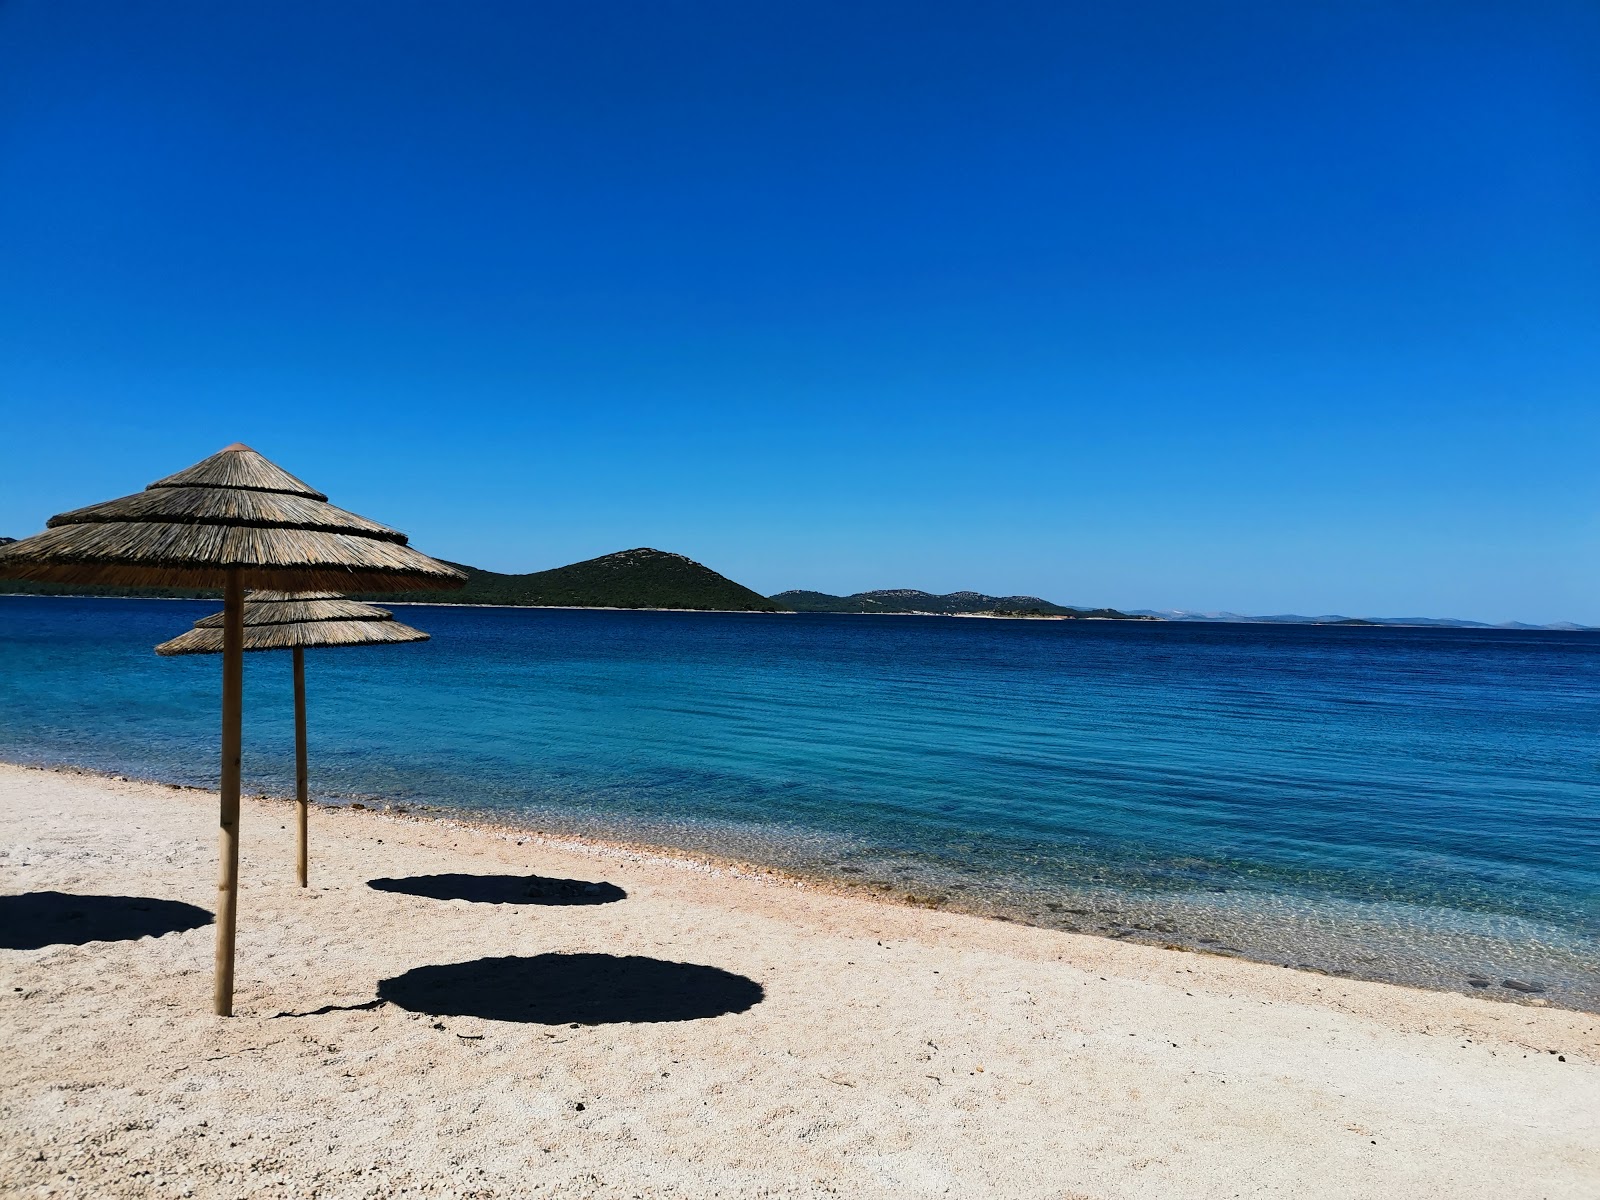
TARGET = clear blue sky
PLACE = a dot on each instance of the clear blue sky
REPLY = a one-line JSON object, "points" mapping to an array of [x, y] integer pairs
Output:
{"points": [[1269, 307]]}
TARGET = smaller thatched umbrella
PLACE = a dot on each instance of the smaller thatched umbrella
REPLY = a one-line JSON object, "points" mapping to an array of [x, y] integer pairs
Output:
{"points": [[298, 621]]}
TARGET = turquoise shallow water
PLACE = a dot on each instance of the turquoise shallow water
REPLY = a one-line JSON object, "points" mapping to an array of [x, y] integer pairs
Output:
{"points": [[1405, 804]]}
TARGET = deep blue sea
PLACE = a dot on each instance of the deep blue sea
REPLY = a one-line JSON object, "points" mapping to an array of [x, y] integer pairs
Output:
{"points": [[1416, 805]]}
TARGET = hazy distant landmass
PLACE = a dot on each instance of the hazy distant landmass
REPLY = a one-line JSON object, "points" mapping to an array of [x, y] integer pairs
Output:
{"points": [[1180, 614], [909, 600]]}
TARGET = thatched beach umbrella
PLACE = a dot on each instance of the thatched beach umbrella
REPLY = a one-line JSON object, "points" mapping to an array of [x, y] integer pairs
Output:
{"points": [[232, 521], [298, 621]]}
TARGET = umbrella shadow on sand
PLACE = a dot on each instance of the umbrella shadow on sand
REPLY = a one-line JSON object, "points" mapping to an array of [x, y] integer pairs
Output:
{"points": [[559, 989], [503, 889], [34, 920]]}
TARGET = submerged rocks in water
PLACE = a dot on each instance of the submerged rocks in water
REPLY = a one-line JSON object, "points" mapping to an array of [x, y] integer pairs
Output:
{"points": [[1477, 981], [1517, 985]]}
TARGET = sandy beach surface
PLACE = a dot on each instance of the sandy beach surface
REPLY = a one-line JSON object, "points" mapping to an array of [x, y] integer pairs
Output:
{"points": [[646, 1025]]}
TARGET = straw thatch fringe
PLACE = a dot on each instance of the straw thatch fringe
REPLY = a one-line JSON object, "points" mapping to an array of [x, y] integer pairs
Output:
{"points": [[289, 620], [239, 467], [291, 611], [128, 555], [232, 516], [217, 506], [306, 635]]}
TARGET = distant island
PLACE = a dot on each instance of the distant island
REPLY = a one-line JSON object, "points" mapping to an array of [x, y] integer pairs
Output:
{"points": [[648, 578], [1233, 618], [645, 578], [907, 601], [638, 578]]}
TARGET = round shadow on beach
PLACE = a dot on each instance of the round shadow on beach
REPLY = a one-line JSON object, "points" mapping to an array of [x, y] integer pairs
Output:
{"points": [[503, 889], [34, 920], [558, 989]]}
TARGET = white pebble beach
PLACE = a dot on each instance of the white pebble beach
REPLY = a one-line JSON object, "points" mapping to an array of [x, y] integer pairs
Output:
{"points": [[836, 1044]]}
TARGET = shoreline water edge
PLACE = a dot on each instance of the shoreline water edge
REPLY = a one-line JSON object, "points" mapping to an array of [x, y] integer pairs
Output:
{"points": [[1125, 925]]}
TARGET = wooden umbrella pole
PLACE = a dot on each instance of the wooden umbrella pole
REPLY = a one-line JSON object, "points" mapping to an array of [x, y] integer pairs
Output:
{"points": [[300, 798], [228, 848]]}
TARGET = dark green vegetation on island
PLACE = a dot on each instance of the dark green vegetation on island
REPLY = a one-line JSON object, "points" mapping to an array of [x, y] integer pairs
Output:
{"points": [[909, 600], [640, 578], [646, 578]]}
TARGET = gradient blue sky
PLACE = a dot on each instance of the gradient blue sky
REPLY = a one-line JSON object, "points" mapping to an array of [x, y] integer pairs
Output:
{"points": [[1269, 307]]}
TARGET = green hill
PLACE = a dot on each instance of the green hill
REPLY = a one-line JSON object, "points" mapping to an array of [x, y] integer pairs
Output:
{"points": [[646, 578], [641, 578], [909, 600]]}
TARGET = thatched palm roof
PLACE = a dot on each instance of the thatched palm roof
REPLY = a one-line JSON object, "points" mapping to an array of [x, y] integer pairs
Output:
{"points": [[234, 511], [303, 620]]}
